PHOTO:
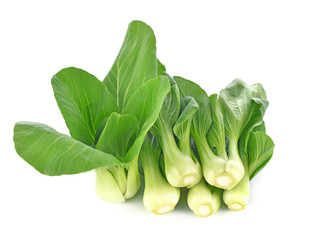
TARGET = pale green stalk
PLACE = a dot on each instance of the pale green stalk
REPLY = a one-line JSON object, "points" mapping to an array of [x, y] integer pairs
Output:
{"points": [[204, 200], [180, 169], [117, 183], [159, 196], [237, 198]]}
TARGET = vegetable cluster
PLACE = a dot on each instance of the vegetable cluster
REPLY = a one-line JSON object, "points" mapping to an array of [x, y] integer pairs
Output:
{"points": [[140, 121]]}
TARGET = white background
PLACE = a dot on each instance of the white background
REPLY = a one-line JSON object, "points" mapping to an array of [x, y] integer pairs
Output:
{"points": [[280, 44]]}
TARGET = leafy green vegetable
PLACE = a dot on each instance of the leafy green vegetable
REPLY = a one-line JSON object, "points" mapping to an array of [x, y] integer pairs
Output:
{"points": [[180, 169], [117, 136], [137, 90], [231, 115], [212, 165], [259, 150], [243, 108], [88, 107], [145, 105], [159, 196], [204, 199], [26, 137], [140, 112]]}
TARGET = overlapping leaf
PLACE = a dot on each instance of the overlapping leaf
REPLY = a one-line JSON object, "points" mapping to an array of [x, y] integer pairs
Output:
{"points": [[84, 102], [118, 135], [145, 104], [243, 107], [188, 107], [202, 118], [170, 109], [87, 106]]}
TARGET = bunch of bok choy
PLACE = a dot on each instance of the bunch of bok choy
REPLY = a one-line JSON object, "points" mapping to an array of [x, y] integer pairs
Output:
{"points": [[140, 122]]}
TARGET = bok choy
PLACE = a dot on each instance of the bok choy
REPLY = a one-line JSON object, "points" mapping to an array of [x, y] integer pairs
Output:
{"points": [[255, 151], [159, 196], [180, 168], [140, 120], [107, 121]]}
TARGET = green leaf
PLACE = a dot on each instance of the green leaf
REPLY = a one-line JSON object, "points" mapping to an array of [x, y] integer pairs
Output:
{"points": [[260, 128], [100, 129], [145, 105], [183, 124], [216, 134], [135, 64], [202, 118], [84, 102], [118, 135], [260, 150], [257, 91], [53, 153], [170, 109], [242, 107], [160, 68]]}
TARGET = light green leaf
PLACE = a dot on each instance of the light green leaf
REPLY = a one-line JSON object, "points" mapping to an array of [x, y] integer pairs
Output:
{"points": [[260, 150], [216, 134], [183, 124], [202, 118], [135, 64], [84, 102], [242, 107], [145, 105], [118, 135], [53, 153], [257, 91]]}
